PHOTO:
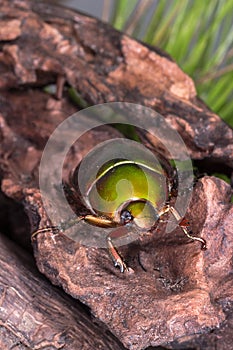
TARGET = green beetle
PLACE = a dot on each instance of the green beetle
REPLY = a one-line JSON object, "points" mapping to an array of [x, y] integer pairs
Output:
{"points": [[122, 193]]}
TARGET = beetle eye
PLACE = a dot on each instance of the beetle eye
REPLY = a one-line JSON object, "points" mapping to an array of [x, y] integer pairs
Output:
{"points": [[126, 217]]}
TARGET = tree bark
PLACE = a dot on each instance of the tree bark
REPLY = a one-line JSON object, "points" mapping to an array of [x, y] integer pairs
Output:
{"points": [[35, 315], [177, 291]]}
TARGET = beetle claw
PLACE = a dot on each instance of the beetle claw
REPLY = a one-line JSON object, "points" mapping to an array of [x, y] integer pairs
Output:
{"points": [[123, 267], [120, 263]]}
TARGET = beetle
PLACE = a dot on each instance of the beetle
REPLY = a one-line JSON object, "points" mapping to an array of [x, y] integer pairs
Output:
{"points": [[126, 195]]}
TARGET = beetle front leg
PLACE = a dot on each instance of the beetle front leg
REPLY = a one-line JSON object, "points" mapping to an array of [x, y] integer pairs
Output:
{"points": [[59, 228], [168, 208], [118, 261], [91, 219], [95, 221], [115, 235]]}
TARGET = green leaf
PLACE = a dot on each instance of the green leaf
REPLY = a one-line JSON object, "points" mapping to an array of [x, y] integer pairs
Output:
{"points": [[122, 10], [198, 35]]}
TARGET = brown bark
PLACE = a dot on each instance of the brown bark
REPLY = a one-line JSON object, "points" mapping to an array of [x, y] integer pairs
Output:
{"points": [[35, 315], [177, 291]]}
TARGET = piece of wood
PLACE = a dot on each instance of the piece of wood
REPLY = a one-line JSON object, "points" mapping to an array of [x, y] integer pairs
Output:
{"points": [[176, 291], [36, 315]]}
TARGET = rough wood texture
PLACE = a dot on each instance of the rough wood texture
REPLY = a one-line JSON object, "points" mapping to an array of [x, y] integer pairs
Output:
{"points": [[177, 291], [104, 66], [36, 316]]}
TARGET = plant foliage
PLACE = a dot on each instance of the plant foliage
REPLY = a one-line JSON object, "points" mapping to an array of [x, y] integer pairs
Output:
{"points": [[197, 34]]}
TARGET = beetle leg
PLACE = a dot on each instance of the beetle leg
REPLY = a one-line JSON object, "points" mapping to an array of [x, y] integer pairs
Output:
{"points": [[45, 229], [99, 221], [59, 228], [96, 221], [116, 234], [168, 208], [91, 219], [118, 261]]}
